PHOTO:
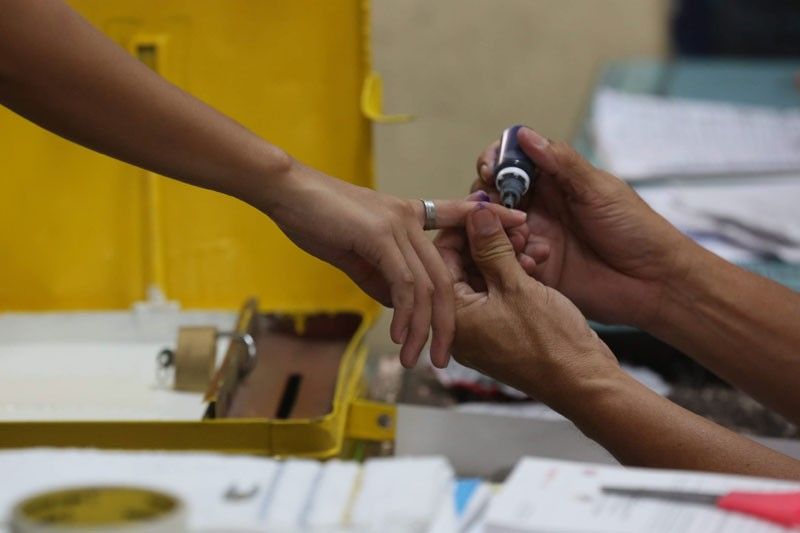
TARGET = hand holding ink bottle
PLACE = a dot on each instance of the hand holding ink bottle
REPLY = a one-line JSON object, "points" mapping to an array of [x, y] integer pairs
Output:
{"points": [[514, 170]]}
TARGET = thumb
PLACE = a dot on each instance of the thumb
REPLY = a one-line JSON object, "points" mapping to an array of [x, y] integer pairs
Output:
{"points": [[491, 249], [571, 172]]}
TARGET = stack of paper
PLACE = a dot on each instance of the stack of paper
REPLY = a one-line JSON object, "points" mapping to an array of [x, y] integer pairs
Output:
{"points": [[641, 137], [405, 494], [559, 496], [228, 493], [746, 220]]}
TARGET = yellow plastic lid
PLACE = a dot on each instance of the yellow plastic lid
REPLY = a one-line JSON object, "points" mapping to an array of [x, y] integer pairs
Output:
{"points": [[99, 508]]}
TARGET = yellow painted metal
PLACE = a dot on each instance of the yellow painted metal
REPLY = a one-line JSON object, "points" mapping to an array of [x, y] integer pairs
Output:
{"points": [[152, 51], [369, 420], [320, 438], [372, 102], [81, 231]]}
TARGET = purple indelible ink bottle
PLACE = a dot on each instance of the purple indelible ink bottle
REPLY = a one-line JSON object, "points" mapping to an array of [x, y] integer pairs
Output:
{"points": [[514, 170]]}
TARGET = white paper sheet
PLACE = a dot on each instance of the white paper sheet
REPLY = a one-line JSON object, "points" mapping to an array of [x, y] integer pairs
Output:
{"points": [[558, 496], [237, 493], [200, 480], [402, 494], [643, 136], [741, 220]]}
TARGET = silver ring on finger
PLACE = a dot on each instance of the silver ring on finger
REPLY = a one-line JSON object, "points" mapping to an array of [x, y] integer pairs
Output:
{"points": [[430, 214]]}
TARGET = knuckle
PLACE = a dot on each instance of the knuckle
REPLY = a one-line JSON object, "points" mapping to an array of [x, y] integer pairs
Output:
{"points": [[547, 296], [494, 250], [382, 228], [541, 295], [444, 287], [417, 337], [427, 288], [567, 157], [406, 280], [404, 286], [398, 212], [407, 210], [513, 285]]}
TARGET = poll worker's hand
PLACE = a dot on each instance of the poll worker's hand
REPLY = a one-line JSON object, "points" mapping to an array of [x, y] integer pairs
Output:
{"points": [[515, 328], [592, 237], [530, 336], [378, 240]]}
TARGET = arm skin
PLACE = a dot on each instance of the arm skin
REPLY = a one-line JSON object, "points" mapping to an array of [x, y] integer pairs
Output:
{"points": [[599, 244], [641, 428], [61, 73], [528, 335], [743, 327]]}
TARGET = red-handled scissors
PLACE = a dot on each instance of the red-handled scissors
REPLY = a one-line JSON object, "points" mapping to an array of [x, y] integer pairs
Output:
{"points": [[778, 507]]}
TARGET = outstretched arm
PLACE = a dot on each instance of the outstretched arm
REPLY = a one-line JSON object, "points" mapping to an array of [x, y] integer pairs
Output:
{"points": [[744, 327], [60, 72]]}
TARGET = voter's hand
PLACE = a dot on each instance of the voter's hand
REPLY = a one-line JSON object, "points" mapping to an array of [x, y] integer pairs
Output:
{"points": [[512, 327], [378, 240], [592, 237]]}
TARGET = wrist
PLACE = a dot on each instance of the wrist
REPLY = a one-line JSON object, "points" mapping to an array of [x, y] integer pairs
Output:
{"points": [[580, 398], [688, 260], [276, 181], [638, 426], [682, 292], [579, 378]]}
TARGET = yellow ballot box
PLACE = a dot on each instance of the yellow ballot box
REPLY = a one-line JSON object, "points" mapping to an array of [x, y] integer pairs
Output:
{"points": [[80, 231]]}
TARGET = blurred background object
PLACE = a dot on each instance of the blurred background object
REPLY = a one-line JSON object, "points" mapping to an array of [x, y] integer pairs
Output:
{"points": [[745, 28]]}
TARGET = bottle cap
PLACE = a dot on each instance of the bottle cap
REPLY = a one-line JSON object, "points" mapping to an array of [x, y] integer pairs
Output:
{"points": [[513, 183]]}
